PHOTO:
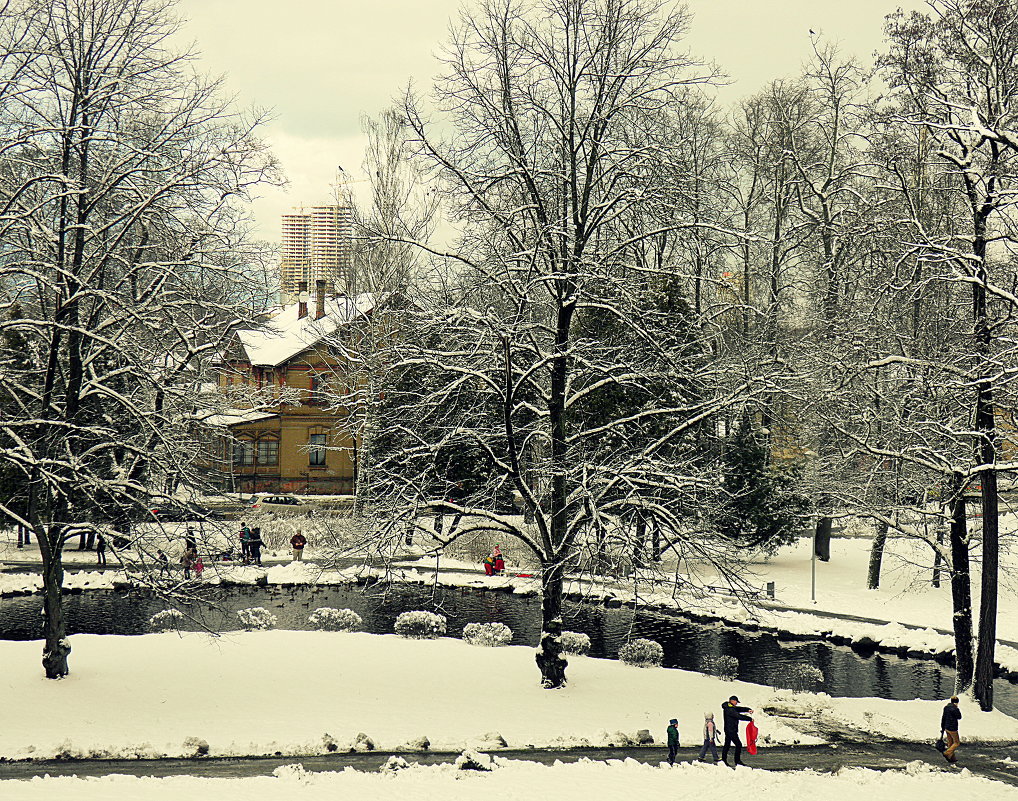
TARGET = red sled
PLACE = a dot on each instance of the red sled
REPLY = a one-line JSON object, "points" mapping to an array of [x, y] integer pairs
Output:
{"points": [[751, 732]]}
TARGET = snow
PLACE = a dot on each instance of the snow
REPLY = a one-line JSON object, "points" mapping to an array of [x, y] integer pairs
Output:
{"points": [[528, 781], [266, 691], [284, 335]]}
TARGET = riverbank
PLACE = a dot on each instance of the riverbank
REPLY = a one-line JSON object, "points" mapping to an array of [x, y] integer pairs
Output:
{"points": [[299, 693]]}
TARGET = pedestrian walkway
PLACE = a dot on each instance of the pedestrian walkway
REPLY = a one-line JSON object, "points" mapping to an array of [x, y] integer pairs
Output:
{"points": [[984, 760]]}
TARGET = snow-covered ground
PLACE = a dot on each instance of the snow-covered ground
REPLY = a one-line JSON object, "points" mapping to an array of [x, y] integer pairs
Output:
{"points": [[304, 693], [528, 781]]}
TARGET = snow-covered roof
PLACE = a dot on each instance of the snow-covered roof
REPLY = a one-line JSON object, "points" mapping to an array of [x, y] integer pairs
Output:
{"points": [[284, 334], [236, 416]]}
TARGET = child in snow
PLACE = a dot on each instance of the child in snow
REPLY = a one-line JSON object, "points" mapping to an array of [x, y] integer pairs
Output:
{"points": [[710, 737], [199, 567], [497, 562], [673, 740]]}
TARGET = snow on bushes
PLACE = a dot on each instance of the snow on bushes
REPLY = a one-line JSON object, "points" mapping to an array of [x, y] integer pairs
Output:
{"points": [[325, 618], [800, 678], [723, 666], [167, 620], [256, 618], [420, 625], [642, 653], [491, 635], [573, 642]]}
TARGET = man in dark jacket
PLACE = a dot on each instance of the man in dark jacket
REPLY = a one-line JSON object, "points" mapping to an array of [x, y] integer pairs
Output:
{"points": [[733, 715], [949, 726], [673, 740]]}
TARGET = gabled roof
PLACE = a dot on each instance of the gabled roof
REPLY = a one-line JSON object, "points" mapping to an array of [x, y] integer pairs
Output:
{"points": [[284, 335]]}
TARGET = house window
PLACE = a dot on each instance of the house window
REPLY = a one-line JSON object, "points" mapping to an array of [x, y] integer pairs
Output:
{"points": [[243, 452], [315, 395], [316, 450], [268, 451]]}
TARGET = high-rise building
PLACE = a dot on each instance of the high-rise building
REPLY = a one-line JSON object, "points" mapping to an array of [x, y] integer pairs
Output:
{"points": [[316, 246]]}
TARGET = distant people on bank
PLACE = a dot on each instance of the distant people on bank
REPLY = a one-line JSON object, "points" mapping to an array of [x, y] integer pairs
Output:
{"points": [[494, 565], [245, 543], [297, 542], [187, 560], [710, 737], [199, 568], [949, 729], [733, 715], [673, 740], [254, 545], [100, 551], [163, 563]]}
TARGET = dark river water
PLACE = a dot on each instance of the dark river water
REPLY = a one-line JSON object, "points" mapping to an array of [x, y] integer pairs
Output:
{"points": [[762, 657]]}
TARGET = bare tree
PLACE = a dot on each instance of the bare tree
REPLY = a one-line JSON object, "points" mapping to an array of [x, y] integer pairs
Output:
{"points": [[122, 246], [561, 371]]}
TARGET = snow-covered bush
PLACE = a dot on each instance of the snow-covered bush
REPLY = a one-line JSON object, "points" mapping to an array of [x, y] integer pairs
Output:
{"points": [[167, 620], [256, 617], [800, 678], [573, 642], [325, 618], [642, 653], [420, 625], [490, 634], [723, 666]]}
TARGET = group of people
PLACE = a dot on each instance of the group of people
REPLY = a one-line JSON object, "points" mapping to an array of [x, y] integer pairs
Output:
{"points": [[733, 715], [494, 565]]}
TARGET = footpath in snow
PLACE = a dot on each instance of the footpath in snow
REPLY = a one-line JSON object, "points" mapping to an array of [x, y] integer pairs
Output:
{"points": [[527, 781]]}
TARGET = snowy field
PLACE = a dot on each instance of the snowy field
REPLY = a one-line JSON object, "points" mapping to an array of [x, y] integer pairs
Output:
{"points": [[301, 693], [527, 781]]}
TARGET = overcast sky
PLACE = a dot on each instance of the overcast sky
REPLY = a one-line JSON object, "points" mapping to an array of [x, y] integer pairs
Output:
{"points": [[320, 64]]}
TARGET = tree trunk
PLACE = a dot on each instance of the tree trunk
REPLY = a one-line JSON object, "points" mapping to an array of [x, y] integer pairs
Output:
{"points": [[639, 539], [876, 555], [961, 589], [54, 657], [549, 656], [823, 538], [938, 558], [985, 667]]}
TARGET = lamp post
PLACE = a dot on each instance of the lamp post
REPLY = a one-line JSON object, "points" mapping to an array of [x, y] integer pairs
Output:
{"points": [[813, 568]]}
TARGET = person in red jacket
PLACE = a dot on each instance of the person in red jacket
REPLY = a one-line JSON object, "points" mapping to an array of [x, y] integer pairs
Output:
{"points": [[297, 542]]}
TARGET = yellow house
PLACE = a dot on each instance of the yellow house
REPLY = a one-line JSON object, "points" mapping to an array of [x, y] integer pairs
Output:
{"points": [[292, 431]]}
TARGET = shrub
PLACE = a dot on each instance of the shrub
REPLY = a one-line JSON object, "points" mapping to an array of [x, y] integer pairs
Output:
{"points": [[642, 653], [489, 634], [167, 620], [420, 625], [255, 618], [326, 618], [800, 678], [573, 642], [724, 667]]}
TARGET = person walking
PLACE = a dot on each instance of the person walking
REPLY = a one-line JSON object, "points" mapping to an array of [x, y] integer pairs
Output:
{"points": [[187, 561], [733, 715], [245, 543], [673, 740], [710, 737], [254, 545], [100, 551], [163, 561], [949, 728], [297, 542]]}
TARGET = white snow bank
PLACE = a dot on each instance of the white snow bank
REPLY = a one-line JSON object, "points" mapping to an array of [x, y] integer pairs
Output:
{"points": [[527, 781], [299, 692]]}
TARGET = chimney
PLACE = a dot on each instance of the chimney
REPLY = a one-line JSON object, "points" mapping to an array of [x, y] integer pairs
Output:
{"points": [[302, 300], [319, 299]]}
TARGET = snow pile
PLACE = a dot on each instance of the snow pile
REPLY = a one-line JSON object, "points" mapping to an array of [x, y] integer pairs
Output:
{"points": [[526, 781]]}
